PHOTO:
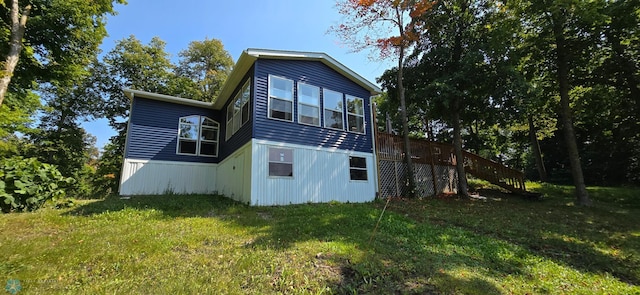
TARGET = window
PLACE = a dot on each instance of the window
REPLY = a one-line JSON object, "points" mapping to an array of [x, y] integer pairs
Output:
{"points": [[198, 135], [238, 110], [355, 114], [308, 104], [280, 162], [333, 109], [280, 98], [358, 168]]}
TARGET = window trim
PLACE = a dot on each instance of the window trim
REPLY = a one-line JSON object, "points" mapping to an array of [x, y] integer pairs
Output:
{"points": [[292, 161], [364, 128], [365, 169], [309, 105], [292, 100], [230, 121], [198, 139], [324, 107]]}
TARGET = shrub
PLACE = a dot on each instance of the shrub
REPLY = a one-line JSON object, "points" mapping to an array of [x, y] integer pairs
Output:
{"points": [[26, 184]]}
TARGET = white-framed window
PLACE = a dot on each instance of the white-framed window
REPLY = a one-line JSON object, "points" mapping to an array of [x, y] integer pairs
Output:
{"points": [[198, 136], [308, 104], [355, 114], [280, 162], [280, 98], [239, 110], [358, 168], [333, 109]]}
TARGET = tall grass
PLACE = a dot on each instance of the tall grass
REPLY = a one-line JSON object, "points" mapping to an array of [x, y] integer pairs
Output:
{"points": [[500, 244]]}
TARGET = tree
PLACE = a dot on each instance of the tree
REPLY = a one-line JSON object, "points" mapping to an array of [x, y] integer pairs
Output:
{"points": [[462, 73], [130, 64], [133, 65], [207, 64], [371, 24], [54, 39], [571, 28]]}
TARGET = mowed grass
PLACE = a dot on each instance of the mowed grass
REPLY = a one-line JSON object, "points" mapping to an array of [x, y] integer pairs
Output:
{"points": [[502, 244]]}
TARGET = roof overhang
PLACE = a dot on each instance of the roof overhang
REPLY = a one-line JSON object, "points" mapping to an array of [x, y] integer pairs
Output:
{"points": [[249, 56], [130, 93], [240, 69]]}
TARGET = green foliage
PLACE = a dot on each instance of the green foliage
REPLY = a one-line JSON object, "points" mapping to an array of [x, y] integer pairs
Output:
{"points": [[26, 184], [133, 65], [130, 64], [603, 80], [107, 175], [61, 38], [206, 64]]}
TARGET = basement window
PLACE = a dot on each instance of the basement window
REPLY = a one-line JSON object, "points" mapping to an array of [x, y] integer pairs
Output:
{"points": [[280, 162], [358, 168]]}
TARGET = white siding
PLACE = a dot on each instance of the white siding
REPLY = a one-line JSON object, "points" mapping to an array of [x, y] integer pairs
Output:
{"points": [[149, 177], [234, 175], [319, 175]]}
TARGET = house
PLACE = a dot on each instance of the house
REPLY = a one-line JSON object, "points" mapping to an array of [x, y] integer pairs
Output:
{"points": [[287, 128]]}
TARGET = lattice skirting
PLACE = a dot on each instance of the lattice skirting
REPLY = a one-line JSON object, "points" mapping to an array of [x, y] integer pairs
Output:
{"points": [[393, 179]]}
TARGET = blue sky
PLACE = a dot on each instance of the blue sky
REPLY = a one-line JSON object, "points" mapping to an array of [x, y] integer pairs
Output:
{"points": [[271, 24]]}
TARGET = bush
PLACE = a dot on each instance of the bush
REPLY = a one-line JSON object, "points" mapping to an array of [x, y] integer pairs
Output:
{"points": [[26, 184]]}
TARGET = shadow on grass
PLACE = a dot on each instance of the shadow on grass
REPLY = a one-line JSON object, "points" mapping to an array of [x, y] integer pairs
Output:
{"points": [[602, 239], [423, 246], [397, 260], [168, 205]]}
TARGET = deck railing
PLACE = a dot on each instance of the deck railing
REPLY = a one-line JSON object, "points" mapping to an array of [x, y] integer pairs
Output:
{"points": [[390, 147]]}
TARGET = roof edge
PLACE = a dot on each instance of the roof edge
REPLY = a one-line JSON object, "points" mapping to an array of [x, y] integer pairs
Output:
{"points": [[325, 58], [131, 93]]}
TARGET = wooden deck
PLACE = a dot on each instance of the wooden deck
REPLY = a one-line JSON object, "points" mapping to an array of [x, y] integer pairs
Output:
{"points": [[390, 147]]}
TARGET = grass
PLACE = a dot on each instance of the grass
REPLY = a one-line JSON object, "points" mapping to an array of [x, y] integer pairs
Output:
{"points": [[499, 244]]}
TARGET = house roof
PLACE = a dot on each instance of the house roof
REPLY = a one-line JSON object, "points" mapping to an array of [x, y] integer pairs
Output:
{"points": [[249, 56], [130, 93], [246, 60]]}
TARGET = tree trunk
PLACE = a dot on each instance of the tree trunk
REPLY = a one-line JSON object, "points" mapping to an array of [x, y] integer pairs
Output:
{"points": [[582, 196], [456, 109], [537, 154], [18, 24], [463, 190], [405, 128]]}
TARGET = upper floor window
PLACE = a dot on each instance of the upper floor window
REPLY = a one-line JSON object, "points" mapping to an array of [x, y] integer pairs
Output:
{"points": [[308, 104], [355, 114], [198, 135], [280, 98], [239, 110], [333, 109]]}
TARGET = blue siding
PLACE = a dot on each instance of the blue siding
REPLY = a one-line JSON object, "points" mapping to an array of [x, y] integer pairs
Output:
{"points": [[153, 130], [243, 135], [317, 74]]}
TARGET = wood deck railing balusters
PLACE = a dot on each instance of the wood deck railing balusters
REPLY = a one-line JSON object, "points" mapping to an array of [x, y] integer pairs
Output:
{"points": [[390, 147]]}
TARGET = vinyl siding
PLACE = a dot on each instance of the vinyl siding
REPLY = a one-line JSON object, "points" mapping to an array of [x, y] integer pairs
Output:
{"points": [[244, 134], [313, 73], [153, 130]]}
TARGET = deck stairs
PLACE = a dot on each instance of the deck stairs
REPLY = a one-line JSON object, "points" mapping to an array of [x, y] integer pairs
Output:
{"points": [[390, 147]]}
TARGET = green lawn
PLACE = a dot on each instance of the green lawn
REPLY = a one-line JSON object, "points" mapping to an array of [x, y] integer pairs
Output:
{"points": [[210, 245]]}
